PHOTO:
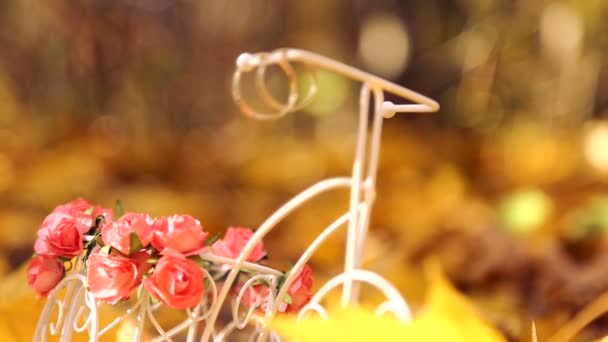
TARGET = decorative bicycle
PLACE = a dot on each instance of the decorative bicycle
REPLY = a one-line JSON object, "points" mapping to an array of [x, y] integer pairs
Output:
{"points": [[75, 301]]}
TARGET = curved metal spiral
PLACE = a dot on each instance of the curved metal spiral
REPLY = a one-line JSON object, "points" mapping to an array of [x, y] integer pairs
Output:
{"points": [[271, 281], [259, 62], [77, 302], [394, 303]]}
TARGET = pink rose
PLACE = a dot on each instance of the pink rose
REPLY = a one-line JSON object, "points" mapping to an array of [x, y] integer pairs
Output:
{"points": [[61, 235], [177, 282], [107, 213], [44, 273], [182, 233], [300, 291], [114, 278], [75, 206], [62, 231], [234, 242], [118, 233], [78, 209]]}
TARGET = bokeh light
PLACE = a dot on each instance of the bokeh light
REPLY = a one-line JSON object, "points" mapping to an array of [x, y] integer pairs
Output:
{"points": [[384, 44], [596, 146], [525, 211], [561, 31], [333, 91]]}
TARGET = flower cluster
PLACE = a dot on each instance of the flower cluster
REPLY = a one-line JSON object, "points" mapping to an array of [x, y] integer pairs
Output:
{"points": [[166, 255]]}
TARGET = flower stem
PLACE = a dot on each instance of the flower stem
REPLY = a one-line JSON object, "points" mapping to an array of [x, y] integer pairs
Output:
{"points": [[248, 265]]}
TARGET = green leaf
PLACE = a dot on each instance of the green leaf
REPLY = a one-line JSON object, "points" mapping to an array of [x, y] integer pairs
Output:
{"points": [[199, 261], [105, 250], [136, 244], [154, 300], [64, 259], [89, 210], [286, 274], [153, 260], [282, 280], [220, 276], [118, 209], [287, 299], [210, 241]]}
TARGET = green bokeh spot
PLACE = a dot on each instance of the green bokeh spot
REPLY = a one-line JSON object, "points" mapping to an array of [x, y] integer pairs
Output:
{"points": [[590, 219], [333, 91], [525, 211]]}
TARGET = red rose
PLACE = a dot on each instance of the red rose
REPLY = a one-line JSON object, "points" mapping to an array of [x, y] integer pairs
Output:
{"points": [[114, 278], [177, 282], [118, 233], [300, 291], [234, 242], [181, 233], [44, 273]]}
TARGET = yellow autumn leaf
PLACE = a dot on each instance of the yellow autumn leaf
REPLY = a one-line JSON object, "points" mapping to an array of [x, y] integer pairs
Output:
{"points": [[446, 316], [20, 308]]}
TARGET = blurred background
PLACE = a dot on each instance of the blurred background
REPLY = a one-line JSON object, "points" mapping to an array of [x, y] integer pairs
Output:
{"points": [[507, 185]]}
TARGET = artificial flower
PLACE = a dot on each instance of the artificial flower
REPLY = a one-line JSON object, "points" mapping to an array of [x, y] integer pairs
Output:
{"points": [[181, 233], [112, 278], [234, 242], [44, 273], [118, 234], [177, 282]]}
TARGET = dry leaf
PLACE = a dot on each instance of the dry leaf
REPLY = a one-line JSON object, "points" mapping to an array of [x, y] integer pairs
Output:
{"points": [[446, 316]]}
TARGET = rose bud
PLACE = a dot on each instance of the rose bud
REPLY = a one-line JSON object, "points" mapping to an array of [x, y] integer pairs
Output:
{"points": [[300, 291], [44, 273]]}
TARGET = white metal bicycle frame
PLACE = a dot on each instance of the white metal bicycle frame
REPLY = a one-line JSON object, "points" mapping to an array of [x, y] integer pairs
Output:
{"points": [[362, 184]]}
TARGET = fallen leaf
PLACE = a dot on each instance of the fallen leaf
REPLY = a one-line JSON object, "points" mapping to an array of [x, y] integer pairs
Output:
{"points": [[446, 316]]}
